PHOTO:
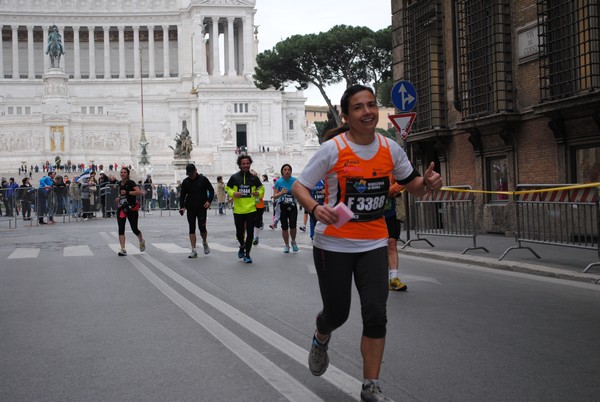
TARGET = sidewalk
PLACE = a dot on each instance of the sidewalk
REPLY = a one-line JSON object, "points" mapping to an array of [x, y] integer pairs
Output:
{"points": [[556, 261]]}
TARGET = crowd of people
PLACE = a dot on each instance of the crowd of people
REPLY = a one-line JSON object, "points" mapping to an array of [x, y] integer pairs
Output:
{"points": [[58, 195], [350, 190], [68, 167]]}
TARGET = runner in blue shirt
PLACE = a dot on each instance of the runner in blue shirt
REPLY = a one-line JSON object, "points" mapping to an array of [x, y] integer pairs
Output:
{"points": [[289, 209]]}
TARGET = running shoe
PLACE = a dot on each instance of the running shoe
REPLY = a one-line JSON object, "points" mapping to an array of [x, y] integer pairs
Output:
{"points": [[194, 254], [371, 392], [302, 228], [241, 252], [206, 248], [294, 247], [272, 227], [122, 253], [286, 249], [255, 241], [318, 360], [247, 259], [143, 246], [397, 285]]}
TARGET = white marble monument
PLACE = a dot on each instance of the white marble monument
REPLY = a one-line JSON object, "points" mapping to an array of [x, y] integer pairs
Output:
{"points": [[166, 60]]}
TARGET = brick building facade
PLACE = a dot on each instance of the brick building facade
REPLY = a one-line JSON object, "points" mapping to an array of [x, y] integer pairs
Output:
{"points": [[508, 94]]}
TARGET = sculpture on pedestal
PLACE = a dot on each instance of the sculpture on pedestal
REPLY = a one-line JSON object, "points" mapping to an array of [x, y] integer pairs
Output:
{"points": [[54, 47], [227, 127], [311, 135], [183, 143]]}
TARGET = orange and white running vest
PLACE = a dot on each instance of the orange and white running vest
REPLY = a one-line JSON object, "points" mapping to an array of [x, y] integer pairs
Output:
{"points": [[363, 187]]}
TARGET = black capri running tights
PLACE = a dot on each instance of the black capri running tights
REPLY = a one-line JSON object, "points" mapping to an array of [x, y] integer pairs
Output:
{"points": [[132, 217], [335, 271], [197, 214]]}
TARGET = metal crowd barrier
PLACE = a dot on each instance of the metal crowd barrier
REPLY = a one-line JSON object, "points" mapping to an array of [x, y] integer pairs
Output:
{"points": [[8, 207], [568, 218], [446, 213], [108, 199], [63, 203]]}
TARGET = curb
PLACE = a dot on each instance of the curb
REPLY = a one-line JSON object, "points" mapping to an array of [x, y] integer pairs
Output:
{"points": [[514, 266]]}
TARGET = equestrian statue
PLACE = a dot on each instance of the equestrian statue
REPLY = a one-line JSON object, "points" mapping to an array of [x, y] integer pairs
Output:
{"points": [[55, 47]]}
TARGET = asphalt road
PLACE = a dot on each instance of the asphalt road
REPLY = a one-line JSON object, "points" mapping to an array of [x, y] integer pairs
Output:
{"points": [[79, 323]]}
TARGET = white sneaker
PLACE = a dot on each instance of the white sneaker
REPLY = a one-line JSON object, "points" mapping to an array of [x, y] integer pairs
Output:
{"points": [[206, 248], [194, 254]]}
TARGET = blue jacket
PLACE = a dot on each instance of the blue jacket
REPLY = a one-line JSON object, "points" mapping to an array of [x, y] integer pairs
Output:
{"points": [[45, 181], [11, 189]]}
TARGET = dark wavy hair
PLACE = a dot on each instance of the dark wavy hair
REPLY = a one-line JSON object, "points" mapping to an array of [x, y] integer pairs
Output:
{"points": [[284, 165], [240, 157], [351, 91]]}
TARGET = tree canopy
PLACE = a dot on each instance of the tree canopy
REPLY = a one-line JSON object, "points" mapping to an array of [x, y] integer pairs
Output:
{"points": [[356, 55]]}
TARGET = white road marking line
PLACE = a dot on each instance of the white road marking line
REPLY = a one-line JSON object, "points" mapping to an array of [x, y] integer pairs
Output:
{"points": [[77, 251], [343, 381], [107, 237], [131, 250], [221, 247], [23, 252], [280, 380], [172, 248], [267, 247]]}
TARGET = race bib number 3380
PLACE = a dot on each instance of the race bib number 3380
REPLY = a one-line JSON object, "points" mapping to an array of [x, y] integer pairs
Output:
{"points": [[366, 197]]}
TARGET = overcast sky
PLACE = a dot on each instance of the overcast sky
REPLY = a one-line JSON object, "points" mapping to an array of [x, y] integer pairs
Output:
{"points": [[280, 19]]}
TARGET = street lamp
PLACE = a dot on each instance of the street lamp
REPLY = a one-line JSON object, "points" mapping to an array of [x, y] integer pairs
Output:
{"points": [[144, 161], [193, 91]]}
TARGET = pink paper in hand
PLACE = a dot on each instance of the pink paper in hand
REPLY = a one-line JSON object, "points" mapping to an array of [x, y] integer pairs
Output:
{"points": [[344, 214]]}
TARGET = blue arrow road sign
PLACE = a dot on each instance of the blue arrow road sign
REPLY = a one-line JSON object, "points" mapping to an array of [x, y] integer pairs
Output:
{"points": [[404, 96]]}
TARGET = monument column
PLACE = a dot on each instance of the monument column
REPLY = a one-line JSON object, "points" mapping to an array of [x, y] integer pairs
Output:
{"points": [[15, 52], [166, 67], [107, 75], [214, 41], [76, 54], [92, 53], [67, 139], [183, 57], [45, 58], [136, 52], [151, 58], [1, 54], [248, 52], [201, 46], [61, 32], [30, 64], [121, 52], [230, 48]]}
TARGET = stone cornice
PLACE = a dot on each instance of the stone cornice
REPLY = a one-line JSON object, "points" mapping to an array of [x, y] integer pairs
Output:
{"points": [[96, 20], [58, 7], [68, 10], [235, 3]]}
